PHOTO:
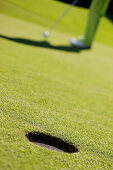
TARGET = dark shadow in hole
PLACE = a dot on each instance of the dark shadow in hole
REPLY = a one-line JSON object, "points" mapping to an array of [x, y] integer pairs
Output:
{"points": [[47, 140], [43, 44]]}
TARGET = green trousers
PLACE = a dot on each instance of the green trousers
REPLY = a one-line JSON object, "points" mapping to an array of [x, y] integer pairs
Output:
{"points": [[97, 10]]}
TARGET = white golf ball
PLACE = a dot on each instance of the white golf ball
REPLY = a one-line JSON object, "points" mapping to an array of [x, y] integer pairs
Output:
{"points": [[46, 34]]}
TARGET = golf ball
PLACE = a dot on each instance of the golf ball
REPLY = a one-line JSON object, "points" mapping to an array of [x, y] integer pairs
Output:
{"points": [[46, 34]]}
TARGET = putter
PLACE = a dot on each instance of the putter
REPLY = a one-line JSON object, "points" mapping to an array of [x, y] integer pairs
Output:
{"points": [[47, 33]]}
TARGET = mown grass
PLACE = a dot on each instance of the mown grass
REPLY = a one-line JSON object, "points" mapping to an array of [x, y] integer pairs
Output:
{"points": [[54, 89]]}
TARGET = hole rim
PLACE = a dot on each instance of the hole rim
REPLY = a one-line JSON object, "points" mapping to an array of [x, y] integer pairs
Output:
{"points": [[52, 141]]}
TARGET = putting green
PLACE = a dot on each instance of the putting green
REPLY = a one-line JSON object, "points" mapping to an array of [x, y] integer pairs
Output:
{"points": [[47, 86]]}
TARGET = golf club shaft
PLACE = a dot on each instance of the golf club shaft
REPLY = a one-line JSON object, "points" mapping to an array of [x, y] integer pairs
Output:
{"points": [[59, 19]]}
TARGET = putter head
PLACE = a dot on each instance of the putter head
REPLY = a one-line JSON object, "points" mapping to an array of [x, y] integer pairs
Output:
{"points": [[46, 34]]}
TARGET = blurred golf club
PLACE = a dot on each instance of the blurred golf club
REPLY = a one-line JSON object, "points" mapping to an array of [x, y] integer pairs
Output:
{"points": [[47, 33]]}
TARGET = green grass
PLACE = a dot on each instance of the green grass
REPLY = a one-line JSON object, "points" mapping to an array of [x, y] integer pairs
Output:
{"points": [[60, 92]]}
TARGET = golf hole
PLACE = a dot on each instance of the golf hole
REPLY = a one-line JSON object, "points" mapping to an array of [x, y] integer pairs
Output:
{"points": [[51, 142]]}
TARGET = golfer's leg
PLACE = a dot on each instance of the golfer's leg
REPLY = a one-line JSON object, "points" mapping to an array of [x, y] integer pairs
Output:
{"points": [[98, 8]]}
